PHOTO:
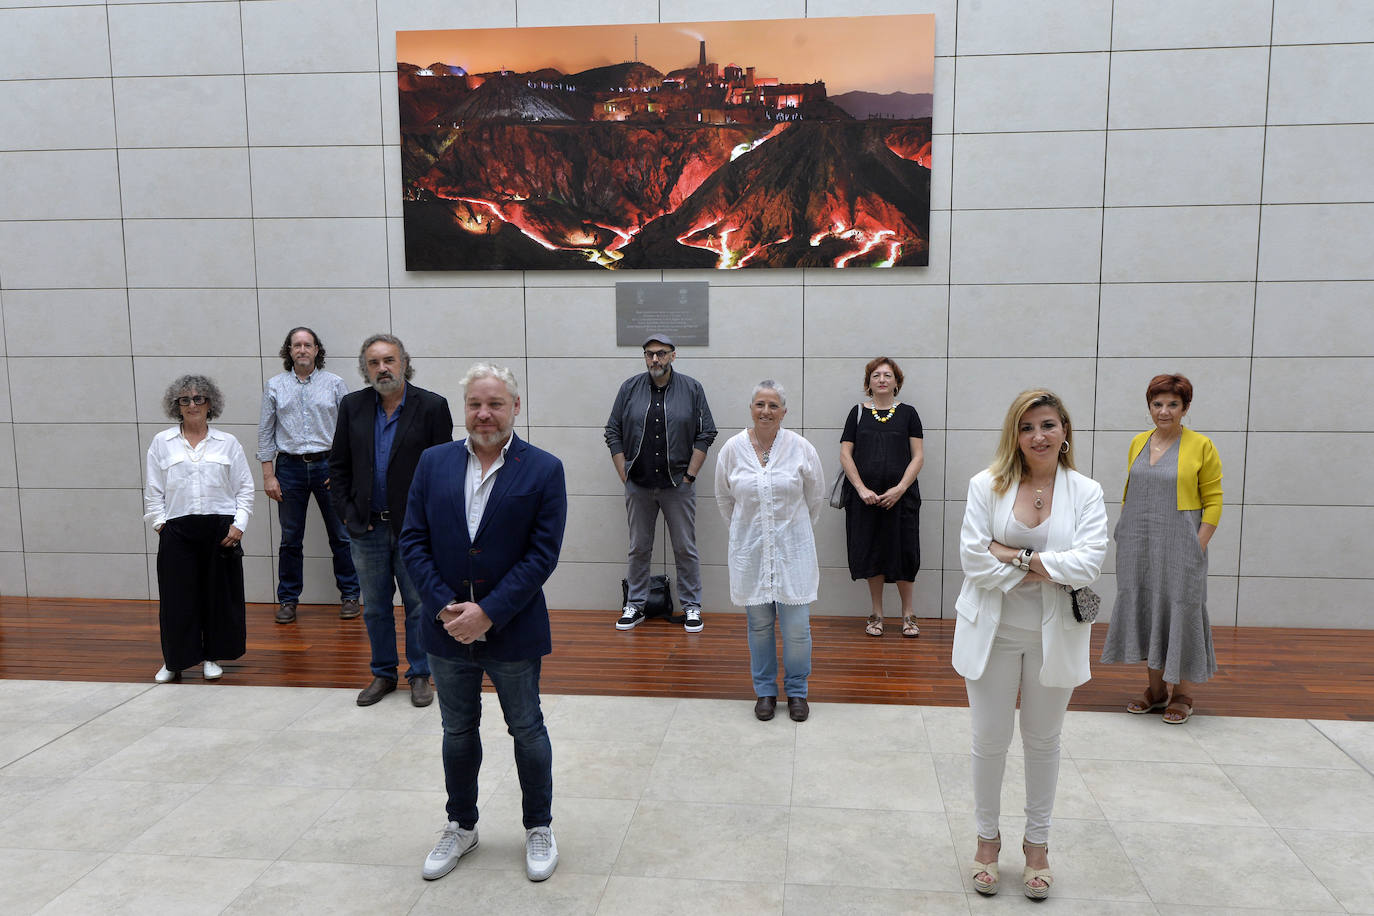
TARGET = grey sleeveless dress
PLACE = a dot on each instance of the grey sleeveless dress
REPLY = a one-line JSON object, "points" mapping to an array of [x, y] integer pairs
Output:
{"points": [[1160, 616]]}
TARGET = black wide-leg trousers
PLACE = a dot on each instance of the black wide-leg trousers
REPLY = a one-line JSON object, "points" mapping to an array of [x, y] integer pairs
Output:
{"points": [[200, 584]]}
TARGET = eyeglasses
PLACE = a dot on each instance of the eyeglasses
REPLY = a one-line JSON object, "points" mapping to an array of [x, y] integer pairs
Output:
{"points": [[196, 399], [657, 354]]}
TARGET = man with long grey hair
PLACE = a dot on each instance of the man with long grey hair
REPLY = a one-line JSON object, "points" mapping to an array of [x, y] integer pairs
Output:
{"points": [[382, 430]]}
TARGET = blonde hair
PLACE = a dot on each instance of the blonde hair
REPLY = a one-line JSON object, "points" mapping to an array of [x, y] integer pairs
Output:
{"points": [[1008, 464]]}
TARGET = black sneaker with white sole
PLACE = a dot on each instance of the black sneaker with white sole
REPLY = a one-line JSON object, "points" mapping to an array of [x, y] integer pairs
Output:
{"points": [[692, 623], [630, 618]]}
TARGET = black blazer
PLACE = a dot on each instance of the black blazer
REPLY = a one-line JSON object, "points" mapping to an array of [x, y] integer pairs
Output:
{"points": [[424, 421]]}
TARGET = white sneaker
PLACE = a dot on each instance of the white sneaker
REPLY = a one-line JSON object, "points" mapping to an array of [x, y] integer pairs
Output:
{"points": [[453, 842], [213, 672], [541, 853], [164, 676]]}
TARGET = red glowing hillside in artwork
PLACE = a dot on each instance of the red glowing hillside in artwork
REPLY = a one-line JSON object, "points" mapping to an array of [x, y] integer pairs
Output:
{"points": [[623, 166]]}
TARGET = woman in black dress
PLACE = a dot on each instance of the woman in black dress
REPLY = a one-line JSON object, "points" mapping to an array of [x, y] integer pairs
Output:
{"points": [[881, 452]]}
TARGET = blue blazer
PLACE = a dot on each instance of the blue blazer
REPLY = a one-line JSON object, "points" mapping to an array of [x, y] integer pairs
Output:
{"points": [[505, 565]]}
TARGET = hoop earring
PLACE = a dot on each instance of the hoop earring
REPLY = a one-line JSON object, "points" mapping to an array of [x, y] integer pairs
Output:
{"points": [[1064, 447]]}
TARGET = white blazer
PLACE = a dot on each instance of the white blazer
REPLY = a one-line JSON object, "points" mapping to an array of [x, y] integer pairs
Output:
{"points": [[1073, 555]]}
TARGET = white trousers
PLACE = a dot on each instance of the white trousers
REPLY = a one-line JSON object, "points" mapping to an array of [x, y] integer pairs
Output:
{"points": [[1015, 665]]}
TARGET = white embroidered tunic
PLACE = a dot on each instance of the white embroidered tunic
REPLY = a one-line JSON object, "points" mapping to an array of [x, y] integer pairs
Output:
{"points": [[770, 511]]}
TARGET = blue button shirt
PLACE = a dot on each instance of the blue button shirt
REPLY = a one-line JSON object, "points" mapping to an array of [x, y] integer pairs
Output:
{"points": [[383, 436]]}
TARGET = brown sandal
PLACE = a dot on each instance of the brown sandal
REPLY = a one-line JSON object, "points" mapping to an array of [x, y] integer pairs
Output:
{"points": [[874, 627], [1148, 703], [1181, 708], [909, 628]]}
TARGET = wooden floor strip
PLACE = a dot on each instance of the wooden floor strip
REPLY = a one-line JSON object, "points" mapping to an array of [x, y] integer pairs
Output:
{"points": [[1265, 671]]}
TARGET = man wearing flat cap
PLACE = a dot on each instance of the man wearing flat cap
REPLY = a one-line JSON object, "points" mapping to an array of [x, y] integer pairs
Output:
{"points": [[659, 431]]}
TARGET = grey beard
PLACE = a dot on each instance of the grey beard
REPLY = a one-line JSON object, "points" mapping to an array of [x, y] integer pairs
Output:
{"points": [[486, 440], [389, 385]]}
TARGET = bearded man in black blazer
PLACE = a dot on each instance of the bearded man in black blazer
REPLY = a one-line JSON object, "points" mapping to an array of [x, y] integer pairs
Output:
{"points": [[381, 432]]}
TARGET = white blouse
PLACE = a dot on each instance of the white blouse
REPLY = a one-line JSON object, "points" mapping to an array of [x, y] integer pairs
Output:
{"points": [[210, 479], [770, 511]]}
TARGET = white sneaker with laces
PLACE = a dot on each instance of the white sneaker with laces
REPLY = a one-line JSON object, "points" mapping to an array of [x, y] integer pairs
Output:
{"points": [[212, 671], [693, 622], [541, 853], [453, 842], [164, 676]]}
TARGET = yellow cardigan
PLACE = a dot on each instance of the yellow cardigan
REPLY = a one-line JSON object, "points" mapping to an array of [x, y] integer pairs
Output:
{"points": [[1199, 473]]}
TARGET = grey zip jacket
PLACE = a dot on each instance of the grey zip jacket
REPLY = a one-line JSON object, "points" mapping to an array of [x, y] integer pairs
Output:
{"points": [[688, 420]]}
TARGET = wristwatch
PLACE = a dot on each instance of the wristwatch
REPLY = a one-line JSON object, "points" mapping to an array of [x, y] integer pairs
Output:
{"points": [[690, 478], [1022, 559]]}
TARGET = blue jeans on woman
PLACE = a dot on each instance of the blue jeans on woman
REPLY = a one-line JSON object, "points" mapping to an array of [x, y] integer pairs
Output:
{"points": [[795, 622], [458, 684]]}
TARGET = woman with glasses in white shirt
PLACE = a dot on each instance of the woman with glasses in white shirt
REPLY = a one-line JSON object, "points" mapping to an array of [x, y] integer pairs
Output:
{"points": [[770, 488], [198, 498]]}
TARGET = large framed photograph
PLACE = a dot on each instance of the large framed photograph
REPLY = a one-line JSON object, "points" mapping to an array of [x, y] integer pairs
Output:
{"points": [[725, 145]]}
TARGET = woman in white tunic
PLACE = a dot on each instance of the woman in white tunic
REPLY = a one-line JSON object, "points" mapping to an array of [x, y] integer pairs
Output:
{"points": [[770, 488]]}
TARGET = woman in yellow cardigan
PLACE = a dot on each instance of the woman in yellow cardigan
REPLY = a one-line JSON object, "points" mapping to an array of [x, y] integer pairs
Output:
{"points": [[1169, 512]]}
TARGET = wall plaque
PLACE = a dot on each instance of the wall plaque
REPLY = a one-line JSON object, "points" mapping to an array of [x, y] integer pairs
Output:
{"points": [[680, 310]]}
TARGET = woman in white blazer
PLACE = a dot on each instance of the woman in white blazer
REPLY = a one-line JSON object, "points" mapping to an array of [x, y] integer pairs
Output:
{"points": [[1032, 527]]}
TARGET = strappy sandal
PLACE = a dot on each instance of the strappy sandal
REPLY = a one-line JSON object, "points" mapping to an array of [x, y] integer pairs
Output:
{"points": [[1029, 874], [976, 868], [1181, 708], [909, 628], [1148, 703], [874, 627]]}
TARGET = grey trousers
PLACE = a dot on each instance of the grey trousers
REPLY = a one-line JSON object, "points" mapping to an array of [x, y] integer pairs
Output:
{"points": [[679, 507]]}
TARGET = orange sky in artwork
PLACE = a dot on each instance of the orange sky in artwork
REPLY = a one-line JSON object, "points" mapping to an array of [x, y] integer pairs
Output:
{"points": [[873, 53]]}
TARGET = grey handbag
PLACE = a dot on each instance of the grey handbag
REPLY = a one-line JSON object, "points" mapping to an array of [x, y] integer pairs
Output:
{"points": [[1086, 603], [837, 488]]}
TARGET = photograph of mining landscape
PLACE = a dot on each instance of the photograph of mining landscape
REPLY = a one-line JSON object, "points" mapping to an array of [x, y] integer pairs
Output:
{"points": [[718, 145]]}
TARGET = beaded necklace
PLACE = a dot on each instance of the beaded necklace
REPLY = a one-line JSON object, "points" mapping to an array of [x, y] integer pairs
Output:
{"points": [[880, 418]]}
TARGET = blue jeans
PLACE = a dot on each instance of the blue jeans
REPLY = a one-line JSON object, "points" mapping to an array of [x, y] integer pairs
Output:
{"points": [[299, 481], [377, 558], [458, 684], [795, 622]]}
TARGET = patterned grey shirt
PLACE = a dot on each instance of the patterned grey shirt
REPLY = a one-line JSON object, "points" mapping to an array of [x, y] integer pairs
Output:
{"points": [[298, 416]]}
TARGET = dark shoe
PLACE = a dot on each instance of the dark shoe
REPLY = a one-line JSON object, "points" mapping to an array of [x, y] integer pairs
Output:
{"points": [[763, 708], [692, 620], [421, 693], [379, 688], [798, 709], [286, 613], [630, 618], [348, 609]]}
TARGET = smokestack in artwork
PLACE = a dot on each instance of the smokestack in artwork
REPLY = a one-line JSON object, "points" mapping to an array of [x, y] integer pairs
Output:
{"points": [[749, 78], [701, 60]]}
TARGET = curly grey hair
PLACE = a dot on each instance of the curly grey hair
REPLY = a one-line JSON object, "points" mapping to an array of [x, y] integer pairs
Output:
{"points": [[387, 339], [490, 370], [192, 385]]}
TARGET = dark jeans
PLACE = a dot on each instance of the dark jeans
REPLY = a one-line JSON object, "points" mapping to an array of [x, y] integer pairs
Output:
{"points": [[458, 683], [377, 558], [299, 481]]}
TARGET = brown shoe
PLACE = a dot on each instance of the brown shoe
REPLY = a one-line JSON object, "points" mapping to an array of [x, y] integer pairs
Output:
{"points": [[348, 609], [421, 693], [798, 709], [379, 688], [763, 708], [286, 612]]}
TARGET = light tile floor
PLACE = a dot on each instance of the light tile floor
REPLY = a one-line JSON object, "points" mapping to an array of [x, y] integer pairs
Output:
{"points": [[191, 798]]}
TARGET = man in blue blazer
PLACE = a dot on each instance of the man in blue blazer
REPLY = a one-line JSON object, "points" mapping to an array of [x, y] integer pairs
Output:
{"points": [[484, 525]]}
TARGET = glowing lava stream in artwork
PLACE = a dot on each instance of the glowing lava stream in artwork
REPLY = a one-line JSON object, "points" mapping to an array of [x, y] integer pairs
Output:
{"points": [[605, 257], [868, 239]]}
